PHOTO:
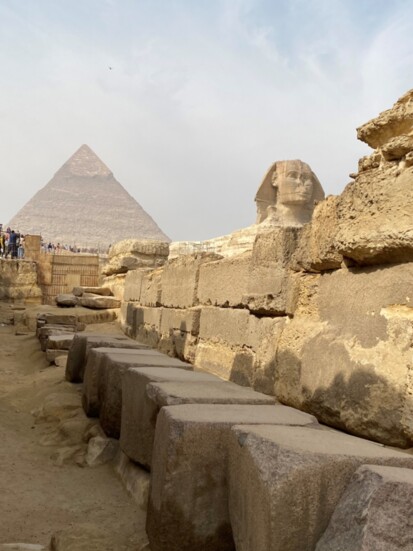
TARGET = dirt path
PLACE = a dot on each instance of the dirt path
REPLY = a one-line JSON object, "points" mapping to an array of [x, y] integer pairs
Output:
{"points": [[42, 489]]}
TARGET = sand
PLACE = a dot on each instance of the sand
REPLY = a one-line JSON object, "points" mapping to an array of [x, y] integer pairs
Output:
{"points": [[45, 489]]}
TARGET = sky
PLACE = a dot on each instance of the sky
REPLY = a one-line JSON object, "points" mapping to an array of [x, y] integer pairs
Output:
{"points": [[189, 102]]}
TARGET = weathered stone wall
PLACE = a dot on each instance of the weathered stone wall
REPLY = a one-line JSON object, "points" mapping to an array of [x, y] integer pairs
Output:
{"points": [[320, 316], [18, 281]]}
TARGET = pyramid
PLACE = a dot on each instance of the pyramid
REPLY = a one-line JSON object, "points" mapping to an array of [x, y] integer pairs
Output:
{"points": [[83, 205]]}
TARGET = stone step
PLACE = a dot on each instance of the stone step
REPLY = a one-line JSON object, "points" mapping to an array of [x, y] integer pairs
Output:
{"points": [[84, 342], [139, 412], [102, 384], [285, 482], [188, 505]]}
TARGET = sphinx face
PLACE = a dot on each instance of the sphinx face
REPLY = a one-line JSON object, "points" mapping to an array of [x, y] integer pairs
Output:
{"points": [[295, 185]]}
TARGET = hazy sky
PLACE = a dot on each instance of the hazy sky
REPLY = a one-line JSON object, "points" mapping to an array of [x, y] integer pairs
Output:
{"points": [[202, 96]]}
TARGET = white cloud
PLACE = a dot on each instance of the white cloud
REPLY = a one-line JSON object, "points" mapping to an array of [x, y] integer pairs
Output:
{"points": [[199, 100]]}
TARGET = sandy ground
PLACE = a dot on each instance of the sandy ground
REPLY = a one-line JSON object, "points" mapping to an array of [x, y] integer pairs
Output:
{"points": [[43, 490]]}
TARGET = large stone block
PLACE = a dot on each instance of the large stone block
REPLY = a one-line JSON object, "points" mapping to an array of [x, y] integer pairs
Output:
{"points": [[147, 324], [133, 285], [235, 364], [374, 512], [102, 392], [224, 325], [99, 302], [188, 506], [84, 342], [180, 280], [62, 342], [185, 320], [269, 281], [285, 482], [346, 354], [224, 282], [151, 288], [140, 411]]}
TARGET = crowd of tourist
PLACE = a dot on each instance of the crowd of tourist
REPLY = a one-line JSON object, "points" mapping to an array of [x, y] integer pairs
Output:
{"points": [[11, 243]]}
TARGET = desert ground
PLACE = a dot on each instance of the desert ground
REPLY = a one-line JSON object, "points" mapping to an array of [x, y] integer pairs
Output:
{"points": [[47, 494]]}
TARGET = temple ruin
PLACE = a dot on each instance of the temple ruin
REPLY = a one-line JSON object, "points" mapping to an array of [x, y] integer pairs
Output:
{"points": [[260, 397]]}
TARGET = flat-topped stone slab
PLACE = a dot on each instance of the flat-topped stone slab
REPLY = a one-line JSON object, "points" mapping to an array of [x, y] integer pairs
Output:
{"points": [[62, 342], [374, 513], [84, 342], [95, 357], [285, 482], [104, 291], [175, 392], [99, 302], [139, 412], [189, 461], [102, 385]]}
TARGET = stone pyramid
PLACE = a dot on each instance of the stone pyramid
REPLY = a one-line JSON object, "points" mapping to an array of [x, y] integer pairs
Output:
{"points": [[84, 205]]}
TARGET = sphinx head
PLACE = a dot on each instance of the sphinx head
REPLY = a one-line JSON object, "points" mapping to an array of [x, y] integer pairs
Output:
{"points": [[288, 193]]}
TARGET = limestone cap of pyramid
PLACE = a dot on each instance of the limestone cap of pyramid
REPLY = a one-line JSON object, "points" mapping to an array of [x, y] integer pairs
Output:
{"points": [[84, 162]]}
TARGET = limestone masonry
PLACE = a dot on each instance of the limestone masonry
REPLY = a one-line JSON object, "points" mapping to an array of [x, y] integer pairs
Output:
{"points": [[317, 314]]}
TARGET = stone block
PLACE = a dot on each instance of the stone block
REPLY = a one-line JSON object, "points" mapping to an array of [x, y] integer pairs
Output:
{"points": [[269, 281], [234, 364], [104, 291], [285, 482], [224, 325], [224, 282], [102, 388], [133, 285], [146, 325], [151, 288], [99, 302], [346, 354], [188, 506], [140, 410], [61, 342], [66, 300], [263, 338], [180, 280], [373, 513], [184, 320], [84, 342]]}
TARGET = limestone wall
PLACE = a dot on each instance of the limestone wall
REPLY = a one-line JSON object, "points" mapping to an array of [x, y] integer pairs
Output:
{"points": [[319, 316], [18, 281]]}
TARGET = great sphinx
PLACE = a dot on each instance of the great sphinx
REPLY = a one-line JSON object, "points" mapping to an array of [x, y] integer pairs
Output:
{"points": [[288, 194]]}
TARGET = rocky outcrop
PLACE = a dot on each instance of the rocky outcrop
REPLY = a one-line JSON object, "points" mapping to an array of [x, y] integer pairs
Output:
{"points": [[132, 254], [18, 281]]}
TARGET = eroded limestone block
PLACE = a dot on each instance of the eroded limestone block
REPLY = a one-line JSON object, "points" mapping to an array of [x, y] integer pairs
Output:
{"points": [[186, 320], [140, 410], [131, 254], [104, 291], [102, 390], [188, 506], [133, 284], [99, 302], [180, 280], [346, 354], [147, 325], [52, 354], [224, 325], [374, 512], [269, 278], [232, 363], [224, 282], [151, 288], [66, 300], [81, 345], [285, 482]]}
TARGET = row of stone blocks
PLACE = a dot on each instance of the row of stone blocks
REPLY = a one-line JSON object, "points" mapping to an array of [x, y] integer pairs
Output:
{"points": [[231, 469]]}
